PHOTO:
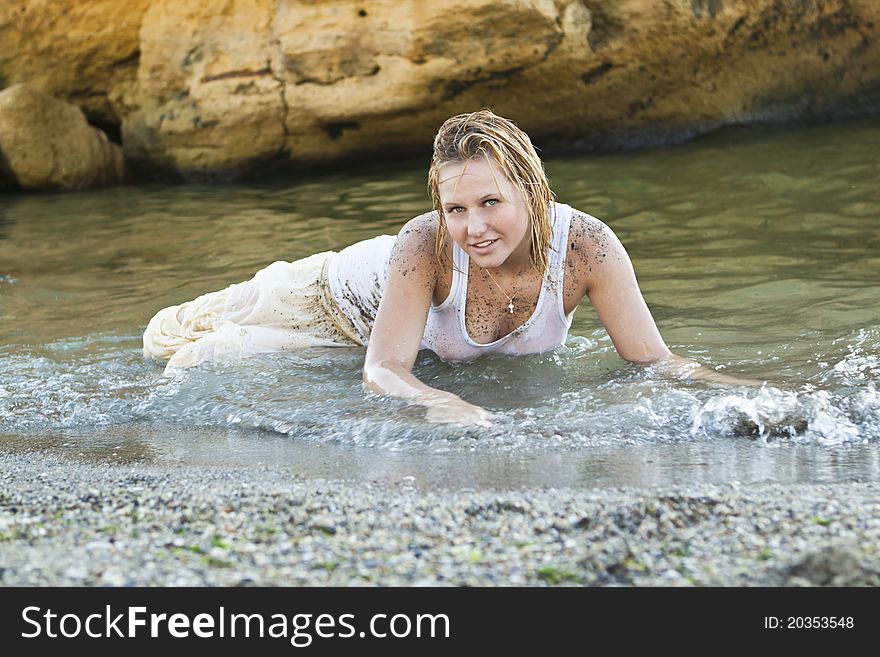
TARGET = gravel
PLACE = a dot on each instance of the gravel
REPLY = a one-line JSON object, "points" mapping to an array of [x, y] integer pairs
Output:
{"points": [[68, 523]]}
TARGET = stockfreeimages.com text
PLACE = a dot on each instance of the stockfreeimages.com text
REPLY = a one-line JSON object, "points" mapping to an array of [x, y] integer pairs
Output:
{"points": [[300, 629]]}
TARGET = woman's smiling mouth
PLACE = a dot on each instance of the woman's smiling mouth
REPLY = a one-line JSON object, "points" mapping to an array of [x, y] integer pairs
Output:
{"points": [[484, 245]]}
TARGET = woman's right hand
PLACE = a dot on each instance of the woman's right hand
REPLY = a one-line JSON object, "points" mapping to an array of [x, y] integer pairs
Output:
{"points": [[455, 410]]}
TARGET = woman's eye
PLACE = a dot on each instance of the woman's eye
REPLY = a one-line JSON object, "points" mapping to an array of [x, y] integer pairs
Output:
{"points": [[456, 209], [492, 201]]}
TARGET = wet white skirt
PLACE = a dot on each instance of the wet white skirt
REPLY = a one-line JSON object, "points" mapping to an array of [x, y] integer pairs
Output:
{"points": [[284, 307]]}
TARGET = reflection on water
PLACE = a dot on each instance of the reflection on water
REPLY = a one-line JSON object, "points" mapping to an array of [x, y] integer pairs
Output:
{"points": [[757, 253]]}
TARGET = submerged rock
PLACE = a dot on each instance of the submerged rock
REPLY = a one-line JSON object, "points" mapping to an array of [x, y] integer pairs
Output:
{"points": [[834, 566], [47, 144], [201, 89]]}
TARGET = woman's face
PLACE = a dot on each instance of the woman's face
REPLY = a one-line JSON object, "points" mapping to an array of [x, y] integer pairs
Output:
{"points": [[485, 214]]}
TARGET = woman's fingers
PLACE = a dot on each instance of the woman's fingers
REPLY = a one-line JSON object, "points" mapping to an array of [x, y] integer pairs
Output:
{"points": [[459, 412]]}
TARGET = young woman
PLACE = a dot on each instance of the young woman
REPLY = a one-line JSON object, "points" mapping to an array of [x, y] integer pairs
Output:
{"points": [[497, 267]]}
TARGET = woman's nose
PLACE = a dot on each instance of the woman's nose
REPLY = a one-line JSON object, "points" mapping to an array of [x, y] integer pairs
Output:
{"points": [[476, 223]]}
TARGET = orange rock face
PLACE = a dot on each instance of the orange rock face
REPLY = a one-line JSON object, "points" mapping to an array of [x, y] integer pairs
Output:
{"points": [[221, 89]]}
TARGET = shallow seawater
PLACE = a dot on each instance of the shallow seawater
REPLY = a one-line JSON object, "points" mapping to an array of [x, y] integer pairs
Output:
{"points": [[756, 250]]}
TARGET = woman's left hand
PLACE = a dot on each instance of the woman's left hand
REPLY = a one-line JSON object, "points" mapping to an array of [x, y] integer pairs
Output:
{"points": [[685, 368]]}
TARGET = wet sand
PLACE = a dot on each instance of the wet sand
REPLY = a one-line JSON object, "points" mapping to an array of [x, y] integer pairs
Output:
{"points": [[65, 522]]}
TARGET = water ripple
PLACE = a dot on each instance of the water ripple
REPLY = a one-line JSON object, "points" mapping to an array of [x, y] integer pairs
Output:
{"points": [[556, 402]]}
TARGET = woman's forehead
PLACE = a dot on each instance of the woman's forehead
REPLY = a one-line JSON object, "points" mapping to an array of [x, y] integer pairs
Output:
{"points": [[475, 173]]}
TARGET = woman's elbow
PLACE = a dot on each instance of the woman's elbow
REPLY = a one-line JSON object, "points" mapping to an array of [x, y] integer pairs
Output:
{"points": [[376, 373], [369, 375]]}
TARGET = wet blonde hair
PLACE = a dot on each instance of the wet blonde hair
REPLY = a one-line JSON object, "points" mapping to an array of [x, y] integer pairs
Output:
{"points": [[484, 133]]}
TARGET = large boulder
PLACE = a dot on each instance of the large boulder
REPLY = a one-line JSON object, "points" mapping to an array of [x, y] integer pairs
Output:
{"points": [[217, 89], [47, 144], [83, 51]]}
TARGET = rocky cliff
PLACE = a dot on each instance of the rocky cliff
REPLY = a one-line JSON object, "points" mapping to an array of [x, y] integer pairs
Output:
{"points": [[46, 143], [199, 89]]}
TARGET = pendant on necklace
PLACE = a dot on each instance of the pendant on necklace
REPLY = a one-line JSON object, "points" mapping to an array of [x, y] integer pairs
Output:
{"points": [[510, 307]]}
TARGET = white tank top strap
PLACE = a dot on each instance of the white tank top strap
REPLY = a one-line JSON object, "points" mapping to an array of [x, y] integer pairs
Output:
{"points": [[558, 253], [459, 279]]}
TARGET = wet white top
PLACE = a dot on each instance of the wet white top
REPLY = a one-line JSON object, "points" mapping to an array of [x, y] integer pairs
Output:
{"points": [[446, 333], [356, 277]]}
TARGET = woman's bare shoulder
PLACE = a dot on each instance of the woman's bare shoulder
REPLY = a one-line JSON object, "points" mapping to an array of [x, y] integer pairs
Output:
{"points": [[590, 241], [419, 231], [414, 251]]}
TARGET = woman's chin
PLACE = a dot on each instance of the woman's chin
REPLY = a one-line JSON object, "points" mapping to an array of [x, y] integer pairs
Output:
{"points": [[489, 260]]}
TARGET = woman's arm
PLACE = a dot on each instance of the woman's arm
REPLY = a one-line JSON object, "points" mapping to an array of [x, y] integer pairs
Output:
{"points": [[610, 283], [400, 322], [685, 368]]}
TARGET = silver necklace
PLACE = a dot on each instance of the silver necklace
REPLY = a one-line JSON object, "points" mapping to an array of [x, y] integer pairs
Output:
{"points": [[510, 299]]}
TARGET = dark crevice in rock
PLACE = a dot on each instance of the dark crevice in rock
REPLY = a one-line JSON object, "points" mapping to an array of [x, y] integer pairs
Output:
{"points": [[336, 129], [595, 73], [454, 88], [242, 73], [604, 25], [285, 108], [552, 45], [639, 106], [194, 55], [707, 8], [736, 27], [111, 129], [200, 124], [8, 182], [131, 61], [330, 81], [109, 124]]}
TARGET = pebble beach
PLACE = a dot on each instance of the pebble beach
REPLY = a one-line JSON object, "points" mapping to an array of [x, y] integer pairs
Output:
{"points": [[69, 523]]}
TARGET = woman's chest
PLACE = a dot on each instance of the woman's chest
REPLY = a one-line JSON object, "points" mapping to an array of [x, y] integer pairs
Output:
{"points": [[491, 312]]}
